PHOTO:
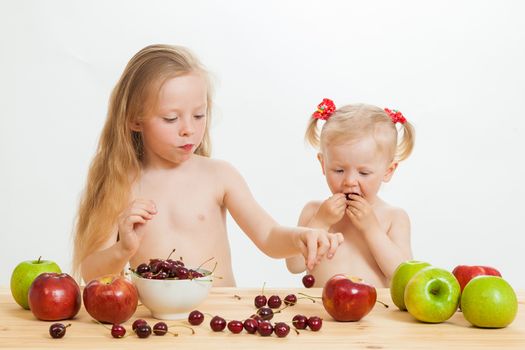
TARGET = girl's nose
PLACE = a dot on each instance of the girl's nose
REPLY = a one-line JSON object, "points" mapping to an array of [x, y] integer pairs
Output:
{"points": [[186, 128]]}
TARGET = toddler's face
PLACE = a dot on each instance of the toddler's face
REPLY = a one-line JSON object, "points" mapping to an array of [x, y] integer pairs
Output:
{"points": [[176, 127], [356, 167]]}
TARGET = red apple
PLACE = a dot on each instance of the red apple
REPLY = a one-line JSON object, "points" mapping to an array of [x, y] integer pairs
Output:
{"points": [[348, 299], [54, 296], [465, 273], [110, 299]]}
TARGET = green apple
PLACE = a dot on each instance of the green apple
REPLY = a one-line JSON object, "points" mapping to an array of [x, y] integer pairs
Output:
{"points": [[489, 302], [432, 295], [402, 275], [24, 274]]}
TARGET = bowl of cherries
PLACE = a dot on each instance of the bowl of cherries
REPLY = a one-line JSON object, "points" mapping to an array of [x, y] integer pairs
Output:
{"points": [[169, 289]]}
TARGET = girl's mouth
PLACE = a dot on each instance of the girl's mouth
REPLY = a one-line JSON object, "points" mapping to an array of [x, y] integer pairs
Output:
{"points": [[188, 147]]}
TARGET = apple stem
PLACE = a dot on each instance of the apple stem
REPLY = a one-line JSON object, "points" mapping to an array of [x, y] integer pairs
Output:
{"points": [[380, 302], [309, 296], [39, 259]]}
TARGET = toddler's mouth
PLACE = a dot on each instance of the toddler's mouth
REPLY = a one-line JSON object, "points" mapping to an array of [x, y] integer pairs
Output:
{"points": [[347, 195]]}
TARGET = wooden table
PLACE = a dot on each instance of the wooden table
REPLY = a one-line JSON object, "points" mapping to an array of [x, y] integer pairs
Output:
{"points": [[381, 329]]}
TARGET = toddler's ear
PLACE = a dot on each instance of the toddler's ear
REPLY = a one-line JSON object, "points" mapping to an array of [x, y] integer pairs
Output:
{"points": [[321, 160], [390, 171]]}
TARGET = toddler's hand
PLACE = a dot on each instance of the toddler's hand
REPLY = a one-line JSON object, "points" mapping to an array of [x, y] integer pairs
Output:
{"points": [[361, 213], [315, 244], [138, 213], [331, 210]]}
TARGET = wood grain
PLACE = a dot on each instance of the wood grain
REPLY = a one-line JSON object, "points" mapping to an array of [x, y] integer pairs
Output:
{"points": [[381, 329]]}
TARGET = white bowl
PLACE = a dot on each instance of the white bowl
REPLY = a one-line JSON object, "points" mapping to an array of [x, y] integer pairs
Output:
{"points": [[172, 299]]}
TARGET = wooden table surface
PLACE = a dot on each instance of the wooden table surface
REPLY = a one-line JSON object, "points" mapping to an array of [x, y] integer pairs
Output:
{"points": [[382, 328]]}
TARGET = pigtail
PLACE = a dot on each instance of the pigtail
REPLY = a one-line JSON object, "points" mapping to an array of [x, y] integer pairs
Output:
{"points": [[312, 135], [404, 148]]}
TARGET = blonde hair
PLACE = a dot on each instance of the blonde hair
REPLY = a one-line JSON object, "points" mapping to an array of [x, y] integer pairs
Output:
{"points": [[356, 120], [118, 159]]}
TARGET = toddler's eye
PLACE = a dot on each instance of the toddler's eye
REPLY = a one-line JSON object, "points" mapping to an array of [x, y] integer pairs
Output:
{"points": [[200, 116], [339, 171], [364, 173]]}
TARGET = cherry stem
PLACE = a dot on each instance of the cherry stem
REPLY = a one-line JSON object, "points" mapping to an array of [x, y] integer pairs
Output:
{"points": [[174, 334], [102, 324], [210, 259], [309, 296], [173, 251], [237, 297], [296, 331], [181, 325], [262, 291], [380, 302]]}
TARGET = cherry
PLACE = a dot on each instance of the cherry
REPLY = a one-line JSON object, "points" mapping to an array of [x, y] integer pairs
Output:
{"points": [[118, 331], [235, 326], [274, 302], [300, 321], [143, 330], [148, 275], [142, 268], [57, 330], [281, 329], [160, 328], [290, 300], [217, 323], [259, 301], [251, 325], [182, 273], [195, 318], [266, 313], [315, 323], [137, 323], [265, 328], [308, 280], [161, 275]]}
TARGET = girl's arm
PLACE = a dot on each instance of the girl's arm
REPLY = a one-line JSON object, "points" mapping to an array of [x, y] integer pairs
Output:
{"points": [[274, 240], [296, 263], [388, 248], [113, 256]]}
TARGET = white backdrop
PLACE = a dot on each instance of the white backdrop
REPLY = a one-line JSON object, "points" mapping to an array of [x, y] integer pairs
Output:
{"points": [[455, 69]]}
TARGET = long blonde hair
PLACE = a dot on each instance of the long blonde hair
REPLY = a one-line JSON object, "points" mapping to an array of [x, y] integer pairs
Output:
{"points": [[355, 120], [118, 159]]}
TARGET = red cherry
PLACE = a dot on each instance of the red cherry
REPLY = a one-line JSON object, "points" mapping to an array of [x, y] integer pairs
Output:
{"points": [[235, 326], [143, 330], [315, 323], [195, 318], [259, 301], [290, 300], [266, 313], [217, 323], [281, 329], [265, 328], [57, 330], [137, 323], [160, 328], [274, 302], [300, 321], [308, 281], [251, 325], [118, 331]]}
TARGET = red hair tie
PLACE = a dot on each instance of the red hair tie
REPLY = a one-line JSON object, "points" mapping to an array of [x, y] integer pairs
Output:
{"points": [[396, 116], [324, 109]]}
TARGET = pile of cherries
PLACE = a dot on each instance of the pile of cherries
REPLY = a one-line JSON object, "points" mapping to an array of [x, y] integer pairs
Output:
{"points": [[162, 269]]}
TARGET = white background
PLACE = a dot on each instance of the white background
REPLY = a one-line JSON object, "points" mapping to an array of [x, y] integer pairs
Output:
{"points": [[454, 68]]}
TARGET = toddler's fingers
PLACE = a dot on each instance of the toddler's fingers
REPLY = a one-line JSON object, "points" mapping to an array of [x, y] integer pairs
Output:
{"points": [[335, 241], [323, 244]]}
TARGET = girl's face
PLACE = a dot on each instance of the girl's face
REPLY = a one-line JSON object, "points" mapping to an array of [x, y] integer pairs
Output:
{"points": [[356, 167], [175, 128]]}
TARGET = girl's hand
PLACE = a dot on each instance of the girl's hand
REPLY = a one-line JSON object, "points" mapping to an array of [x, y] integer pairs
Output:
{"points": [[138, 213], [315, 244], [331, 211], [361, 214]]}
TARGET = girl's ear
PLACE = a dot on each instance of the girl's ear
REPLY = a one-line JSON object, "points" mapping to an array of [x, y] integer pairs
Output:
{"points": [[390, 171], [135, 125], [321, 160]]}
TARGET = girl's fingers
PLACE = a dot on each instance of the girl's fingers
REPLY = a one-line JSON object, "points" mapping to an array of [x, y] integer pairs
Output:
{"points": [[311, 245], [146, 204]]}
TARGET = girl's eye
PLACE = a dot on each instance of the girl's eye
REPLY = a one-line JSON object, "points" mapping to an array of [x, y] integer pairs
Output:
{"points": [[170, 120]]}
